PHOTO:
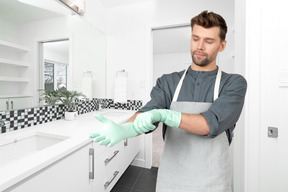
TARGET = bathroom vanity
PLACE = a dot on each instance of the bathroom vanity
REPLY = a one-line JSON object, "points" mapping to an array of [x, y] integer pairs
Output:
{"points": [[60, 156]]}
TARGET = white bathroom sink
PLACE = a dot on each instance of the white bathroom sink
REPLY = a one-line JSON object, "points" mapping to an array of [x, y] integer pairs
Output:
{"points": [[15, 148]]}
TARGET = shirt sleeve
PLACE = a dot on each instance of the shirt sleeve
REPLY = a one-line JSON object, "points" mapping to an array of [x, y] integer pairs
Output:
{"points": [[225, 111]]}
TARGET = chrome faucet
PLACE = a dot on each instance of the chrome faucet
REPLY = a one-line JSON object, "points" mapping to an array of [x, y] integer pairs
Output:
{"points": [[2, 123]]}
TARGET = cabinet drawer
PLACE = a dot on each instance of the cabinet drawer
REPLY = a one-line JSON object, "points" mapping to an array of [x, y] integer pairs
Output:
{"points": [[110, 155], [108, 168]]}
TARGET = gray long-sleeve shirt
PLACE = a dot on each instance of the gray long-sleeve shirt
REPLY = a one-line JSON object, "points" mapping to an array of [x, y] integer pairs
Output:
{"points": [[198, 86]]}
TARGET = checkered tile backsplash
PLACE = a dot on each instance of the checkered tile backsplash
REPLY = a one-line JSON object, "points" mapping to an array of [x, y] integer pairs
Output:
{"points": [[22, 118]]}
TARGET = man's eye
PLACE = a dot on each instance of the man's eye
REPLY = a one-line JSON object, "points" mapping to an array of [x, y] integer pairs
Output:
{"points": [[209, 42], [195, 39]]}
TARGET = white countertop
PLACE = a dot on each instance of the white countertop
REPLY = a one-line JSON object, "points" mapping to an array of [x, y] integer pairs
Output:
{"points": [[78, 132]]}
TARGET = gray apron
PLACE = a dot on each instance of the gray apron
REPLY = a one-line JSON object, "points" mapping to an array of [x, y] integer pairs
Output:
{"points": [[190, 162]]}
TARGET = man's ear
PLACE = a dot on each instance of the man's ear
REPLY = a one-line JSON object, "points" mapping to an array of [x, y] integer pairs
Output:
{"points": [[222, 46]]}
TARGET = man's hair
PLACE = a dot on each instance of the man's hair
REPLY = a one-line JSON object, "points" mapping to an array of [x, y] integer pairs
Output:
{"points": [[209, 19]]}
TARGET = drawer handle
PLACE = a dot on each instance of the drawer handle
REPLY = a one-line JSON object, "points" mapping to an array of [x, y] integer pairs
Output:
{"points": [[126, 142], [109, 159], [91, 154], [109, 182], [7, 105]]}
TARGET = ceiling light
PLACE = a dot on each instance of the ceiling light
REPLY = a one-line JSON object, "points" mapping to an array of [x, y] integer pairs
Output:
{"points": [[77, 6]]}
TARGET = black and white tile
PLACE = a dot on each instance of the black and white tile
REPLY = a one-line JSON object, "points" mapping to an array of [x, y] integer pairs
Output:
{"points": [[19, 119]]}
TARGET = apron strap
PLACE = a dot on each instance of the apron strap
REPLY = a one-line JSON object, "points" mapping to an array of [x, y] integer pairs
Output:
{"points": [[216, 87], [217, 84], [175, 97]]}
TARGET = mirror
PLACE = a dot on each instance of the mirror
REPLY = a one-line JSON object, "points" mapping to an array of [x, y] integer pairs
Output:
{"points": [[31, 28], [56, 61]]}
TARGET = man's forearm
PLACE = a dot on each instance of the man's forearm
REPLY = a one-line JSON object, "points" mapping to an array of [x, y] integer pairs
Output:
{"points": [[132, 118], [194, 123]]}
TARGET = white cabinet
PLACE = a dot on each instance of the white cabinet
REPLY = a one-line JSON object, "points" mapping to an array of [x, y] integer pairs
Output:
{"points": [[15, 103], [112, 163], [74, 172], [108, 168], [4, 102], [14, 73], [69, 174], [21, 102], [131, 149]]}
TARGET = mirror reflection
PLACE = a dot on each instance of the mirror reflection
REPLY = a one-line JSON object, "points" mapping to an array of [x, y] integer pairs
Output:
{"points": [[33, 57], [56, 61]]}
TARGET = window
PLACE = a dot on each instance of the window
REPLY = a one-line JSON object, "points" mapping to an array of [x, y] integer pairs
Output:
{"points": [[55, 75]]}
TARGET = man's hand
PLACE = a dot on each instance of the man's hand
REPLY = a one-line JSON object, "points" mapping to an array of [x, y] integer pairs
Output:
{"points": [[112, 133], [144, 121]]}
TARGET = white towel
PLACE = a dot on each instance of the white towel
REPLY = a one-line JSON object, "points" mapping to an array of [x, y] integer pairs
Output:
{"points": [[86, 87], [120, 89]]}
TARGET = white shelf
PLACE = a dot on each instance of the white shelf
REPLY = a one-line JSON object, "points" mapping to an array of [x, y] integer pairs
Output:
{"points": [[14, 46], [13, 62], [14, 87], [14, 79], [14, 96]]}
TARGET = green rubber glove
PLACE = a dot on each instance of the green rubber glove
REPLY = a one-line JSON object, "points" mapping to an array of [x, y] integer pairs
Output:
{"points": [[112, 133], [144, 121]]}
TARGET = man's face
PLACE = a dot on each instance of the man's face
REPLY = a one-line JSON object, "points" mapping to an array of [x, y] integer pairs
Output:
{"points": [[205, 45]]}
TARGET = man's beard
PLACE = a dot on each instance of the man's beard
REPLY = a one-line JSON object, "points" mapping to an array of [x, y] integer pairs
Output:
{"points": [[201, 63]]}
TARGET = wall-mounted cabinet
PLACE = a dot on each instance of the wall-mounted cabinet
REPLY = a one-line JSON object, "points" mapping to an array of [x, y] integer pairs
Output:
{"points": [[15, 102], [14, 78]]}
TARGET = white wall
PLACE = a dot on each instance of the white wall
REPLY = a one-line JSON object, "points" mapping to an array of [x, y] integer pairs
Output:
{"points": [[240, 67], [8, 31], [170, 62], [95, 14], [89, 54], [57, 57], [266, 50]]}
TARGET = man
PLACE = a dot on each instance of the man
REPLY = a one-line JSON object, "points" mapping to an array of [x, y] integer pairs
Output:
{"points": [[199, 108]]}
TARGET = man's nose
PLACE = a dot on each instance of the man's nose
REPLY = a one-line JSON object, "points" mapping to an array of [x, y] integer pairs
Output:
{"points": [[200, 45]]}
